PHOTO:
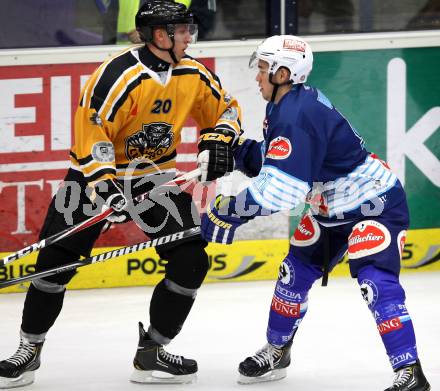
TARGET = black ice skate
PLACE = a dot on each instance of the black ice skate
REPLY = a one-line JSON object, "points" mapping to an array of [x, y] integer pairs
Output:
{"points": [[267, 364], [410, 378], [19, 370], [154, 365]]}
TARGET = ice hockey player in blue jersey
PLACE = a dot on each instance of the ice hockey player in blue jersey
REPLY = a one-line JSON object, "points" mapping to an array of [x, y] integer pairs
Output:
{"points": [[311, 153]]}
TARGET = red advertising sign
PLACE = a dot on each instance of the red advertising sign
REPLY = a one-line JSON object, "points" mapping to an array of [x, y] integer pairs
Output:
{"points": [[37, 105]]}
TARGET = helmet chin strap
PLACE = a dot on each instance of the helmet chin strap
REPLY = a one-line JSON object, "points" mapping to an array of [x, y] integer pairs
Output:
{"points": [[276, 86], [170, 50]]}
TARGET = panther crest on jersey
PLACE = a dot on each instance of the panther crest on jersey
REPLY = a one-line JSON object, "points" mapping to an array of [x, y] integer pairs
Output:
{"points": [[149, 143]]}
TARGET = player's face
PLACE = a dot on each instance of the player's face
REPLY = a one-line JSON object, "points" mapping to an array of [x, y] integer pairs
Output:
{"points": [[262, 78], [184, 34]]}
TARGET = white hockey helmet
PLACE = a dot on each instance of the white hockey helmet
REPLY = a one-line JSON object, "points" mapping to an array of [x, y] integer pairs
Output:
{"points": [[285, 51]]}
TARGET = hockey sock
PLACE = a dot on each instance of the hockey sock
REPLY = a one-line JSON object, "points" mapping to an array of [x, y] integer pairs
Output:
{"points": [[386, 300], [169, 309], [289, 301], [40, 311]]}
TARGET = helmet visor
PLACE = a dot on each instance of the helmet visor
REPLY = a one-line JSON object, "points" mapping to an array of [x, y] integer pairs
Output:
{"points": [[183, 32]]}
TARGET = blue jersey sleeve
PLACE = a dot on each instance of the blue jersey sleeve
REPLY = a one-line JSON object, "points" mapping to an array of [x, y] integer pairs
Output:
{"points": [[292, 158], [248, 156]]}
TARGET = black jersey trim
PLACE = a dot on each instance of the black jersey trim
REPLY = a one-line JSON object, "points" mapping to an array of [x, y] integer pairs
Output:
{"points": [[99, 173], [114, 69], [189, 71], [130, 87], [82, 161]]}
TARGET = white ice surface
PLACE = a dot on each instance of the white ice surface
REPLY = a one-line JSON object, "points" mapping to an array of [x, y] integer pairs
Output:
{"points": [[337, 347]]}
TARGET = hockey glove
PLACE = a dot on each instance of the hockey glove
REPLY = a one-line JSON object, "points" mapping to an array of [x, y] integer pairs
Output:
{"points": [[215, 157], [111, 192], [219, 224]]}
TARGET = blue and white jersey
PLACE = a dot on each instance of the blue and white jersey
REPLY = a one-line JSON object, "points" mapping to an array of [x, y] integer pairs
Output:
{"points": [[308, 148]]}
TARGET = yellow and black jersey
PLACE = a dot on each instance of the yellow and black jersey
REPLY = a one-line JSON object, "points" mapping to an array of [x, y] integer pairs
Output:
{"points": [[130, 117]]}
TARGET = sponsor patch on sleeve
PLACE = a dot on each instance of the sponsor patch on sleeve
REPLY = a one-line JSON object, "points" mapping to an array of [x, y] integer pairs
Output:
{"points": [[368, 237], [279, 148]]}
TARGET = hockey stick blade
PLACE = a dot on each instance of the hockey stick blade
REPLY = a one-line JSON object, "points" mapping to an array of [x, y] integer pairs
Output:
{"points": [[103, 257], [89, 222]]}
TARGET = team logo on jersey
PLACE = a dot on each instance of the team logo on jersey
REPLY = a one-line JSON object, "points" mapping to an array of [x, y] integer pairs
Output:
{"points": [[401, 239], [149, 143], [286, 273], [307, 232], [103, 152], [294, 45], [369, 292], [368, 237], [279, 148]]}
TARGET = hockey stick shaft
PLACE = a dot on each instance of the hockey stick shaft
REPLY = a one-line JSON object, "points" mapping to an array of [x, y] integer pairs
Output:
{"points": [[103, 257], [88, 223]]}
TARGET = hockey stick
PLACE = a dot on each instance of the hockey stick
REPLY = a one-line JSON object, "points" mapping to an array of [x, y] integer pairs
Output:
{"points": [[104, 256], [89, 222]]}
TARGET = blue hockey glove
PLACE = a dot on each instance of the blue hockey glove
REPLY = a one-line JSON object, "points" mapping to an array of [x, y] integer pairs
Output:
{"points": [[218, 224]]}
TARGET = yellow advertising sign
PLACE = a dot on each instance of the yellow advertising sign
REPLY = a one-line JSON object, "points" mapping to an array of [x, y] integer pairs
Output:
{"points": [[242, 261]]}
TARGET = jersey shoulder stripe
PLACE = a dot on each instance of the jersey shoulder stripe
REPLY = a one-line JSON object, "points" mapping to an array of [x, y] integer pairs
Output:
{"points": [[212, 74], [191, 66], [109, 75], [95, 77], [123, 94]]}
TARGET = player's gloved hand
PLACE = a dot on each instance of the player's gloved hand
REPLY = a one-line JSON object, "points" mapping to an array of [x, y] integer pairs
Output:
{"points": [[219, 223], [111, 192], [215, 157]]}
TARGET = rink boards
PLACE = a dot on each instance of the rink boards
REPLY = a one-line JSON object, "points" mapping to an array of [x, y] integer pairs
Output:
{"points": [[248, 260], [382, 82]]}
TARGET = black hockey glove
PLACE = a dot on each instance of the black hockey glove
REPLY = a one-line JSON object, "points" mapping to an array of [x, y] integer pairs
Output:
{"points": [[111, 192], [215, 157]]}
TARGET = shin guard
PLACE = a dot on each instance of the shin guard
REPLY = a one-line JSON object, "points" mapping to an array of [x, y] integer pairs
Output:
{"points": [[289, 302], [41, 309], [168, 310], [385, 298]]}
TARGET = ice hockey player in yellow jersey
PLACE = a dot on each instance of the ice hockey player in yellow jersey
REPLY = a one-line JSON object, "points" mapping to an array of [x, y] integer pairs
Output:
{"points": [[127, 127]]}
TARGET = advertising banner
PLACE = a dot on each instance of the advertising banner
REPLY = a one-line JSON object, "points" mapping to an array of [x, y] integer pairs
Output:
{"points": [[242, 261]]}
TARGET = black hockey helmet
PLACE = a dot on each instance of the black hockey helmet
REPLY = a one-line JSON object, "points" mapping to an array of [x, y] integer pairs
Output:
{"points": [[155, 13]]}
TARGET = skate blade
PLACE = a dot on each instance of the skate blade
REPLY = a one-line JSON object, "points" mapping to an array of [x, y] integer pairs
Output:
{"points": [[20, 381], [276, 374], [159, 377]]}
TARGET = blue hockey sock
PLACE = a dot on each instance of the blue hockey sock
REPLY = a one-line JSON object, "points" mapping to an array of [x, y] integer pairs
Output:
{"points": [[289, 301], [386, 300]]}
